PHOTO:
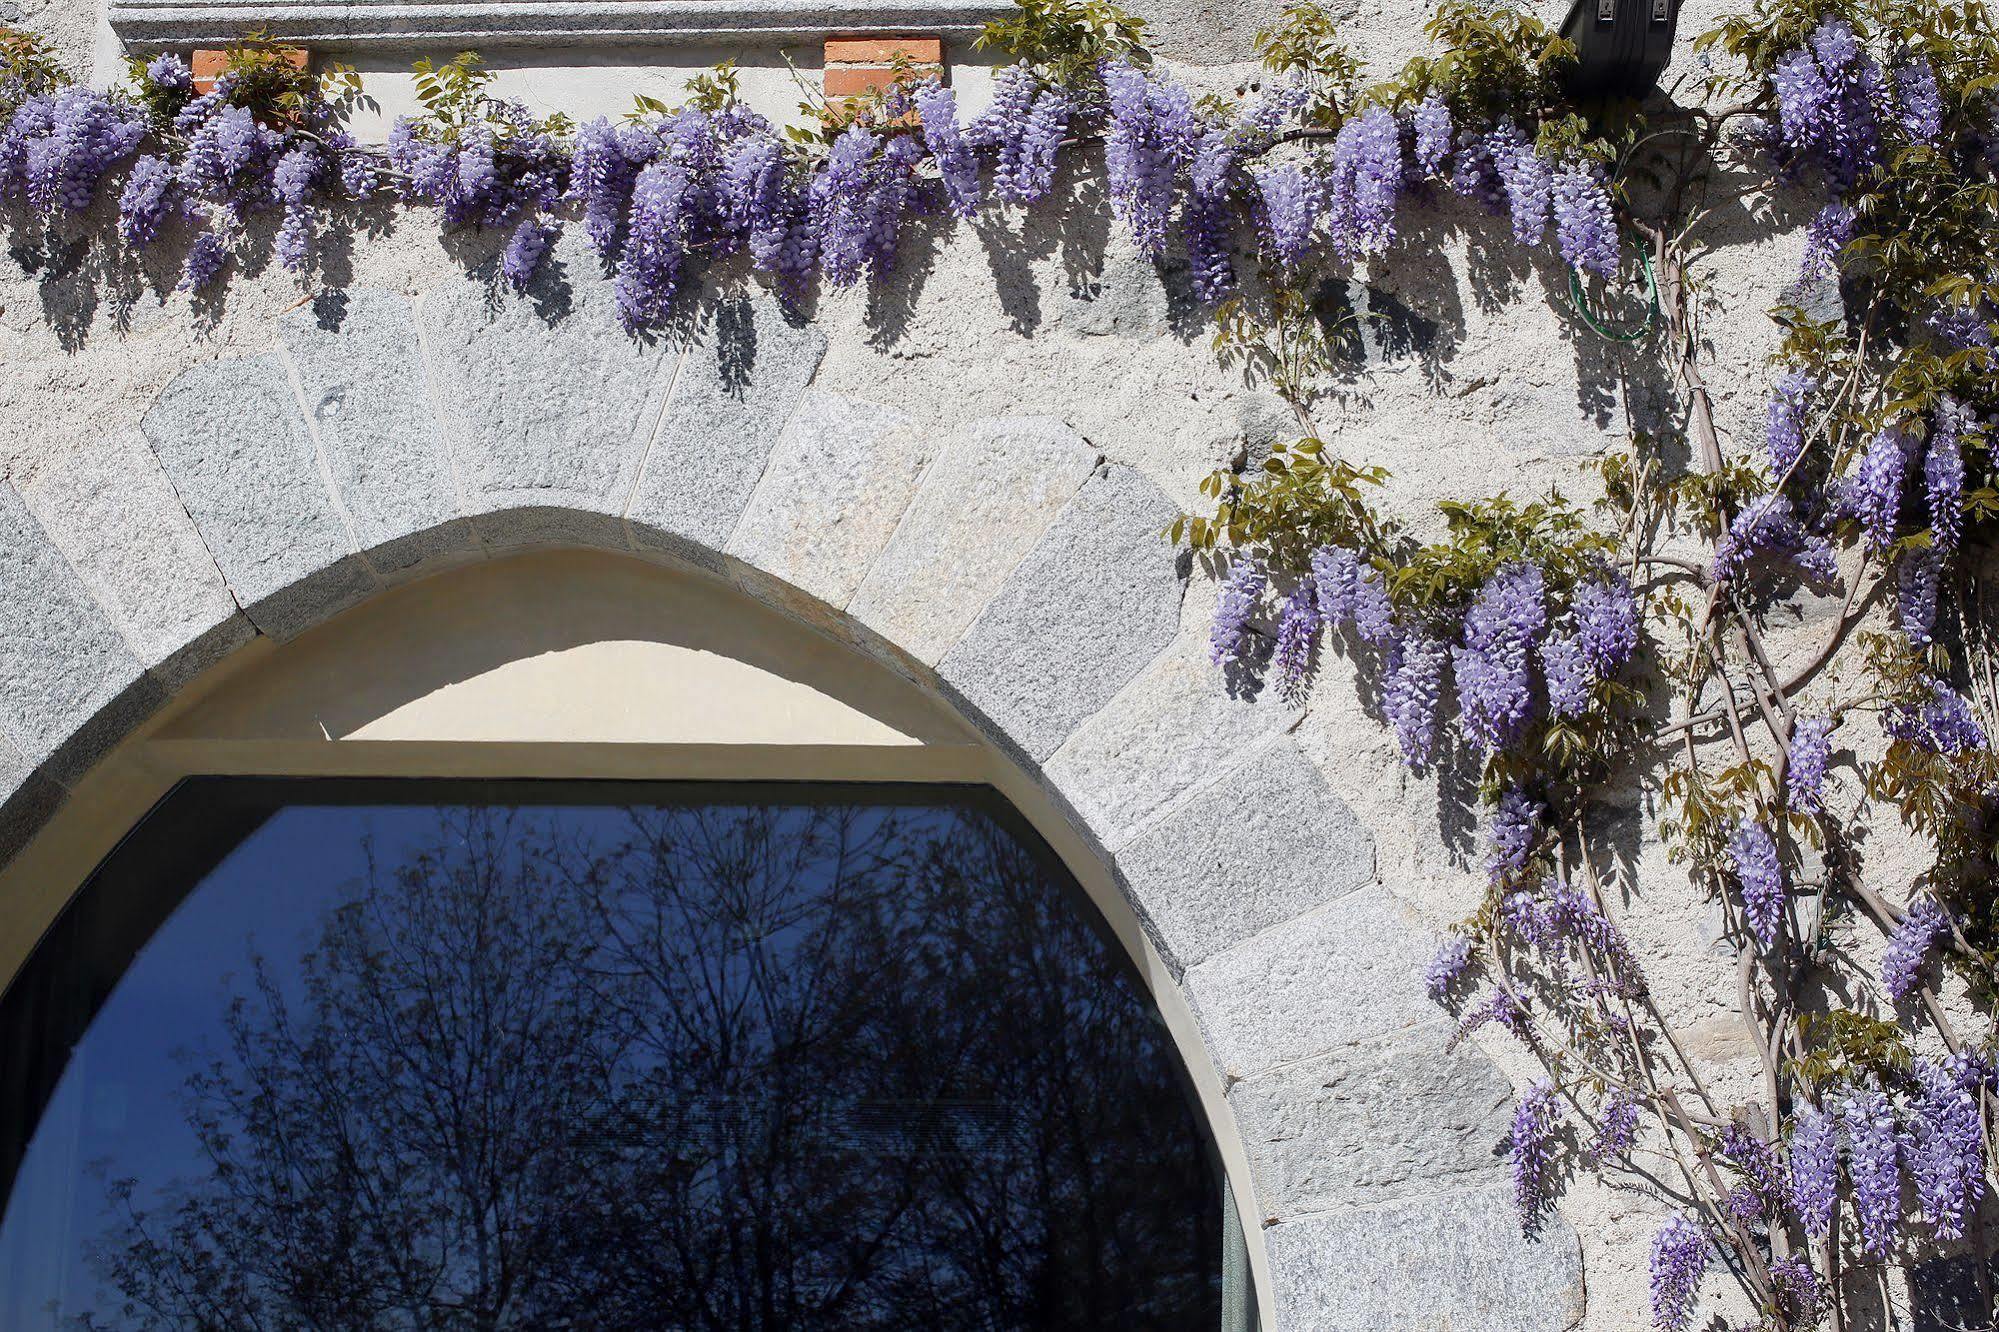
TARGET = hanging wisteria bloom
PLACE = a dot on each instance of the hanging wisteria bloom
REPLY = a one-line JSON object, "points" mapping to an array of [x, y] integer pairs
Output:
{"points": [[1813, 1187], [1921, 926], [1149, 140], [1351, 594], [1241, 595], [1830, 228], [1432, 123], [1797, 1289], [1606, 620], [1918, 104], [1811, 751], [1207, 223], [1447, 967], [957, 163], [1514, 831], [1784, 426], [1566, 672], [1916, 575], [150, 196], [56, 148], [1873, 1145], [1679, 1258], [525, 250], [1527, 179], [1585, 229], [1942, 723], [1827, 94], [1288, 203], [1411, 692], [1947, 1147], [1943, 472], [1876, 495], [1530, 1149], [1498, 1007], [1494, 663], [1617, 1126], [1367, 175], [1297, 633], [1752, 854]]}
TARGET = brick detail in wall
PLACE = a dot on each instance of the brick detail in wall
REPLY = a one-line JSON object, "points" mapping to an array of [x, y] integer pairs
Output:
{"points": [[857, 66], [208, 65]]}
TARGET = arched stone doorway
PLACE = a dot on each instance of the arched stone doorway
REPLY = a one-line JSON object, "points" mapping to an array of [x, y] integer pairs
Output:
{"points": [[269, 495]]}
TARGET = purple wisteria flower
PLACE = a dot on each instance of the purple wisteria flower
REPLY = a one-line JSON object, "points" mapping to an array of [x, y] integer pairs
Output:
{"points": [[1511, 836], [1367, 177], [1527, 179], [1241, 595], [1288, 204], [1873, 1147], [1679, 1259], [1499, 1007], [1813, 1187], [525, 250], [1447, 967], [1297, 634], [1756, 1159], [1830, 228], [1530, 1149], [1617, 1126], [205, 259], [1946, 1151], [1566, 671], [1585, 229], [1919, 106], [1827, 95], [1797, 1290], [170, 73], [1411, 692], [1207, 224], [1494, 663], [1942, 723], [1432, 123], [1606, 617], [1921, 926], [57, 147], [1768, 526], [1811, 751], [1784, 426], [1943, 472], [1149, 141], [1352, 594], [1917, 573], [149, 198], [1752, 854], [1876, 495], [957, 161]]}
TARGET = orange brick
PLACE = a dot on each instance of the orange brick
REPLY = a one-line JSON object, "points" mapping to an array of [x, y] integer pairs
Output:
{"points": [[208, 65], [854, 81], [882, 50]]}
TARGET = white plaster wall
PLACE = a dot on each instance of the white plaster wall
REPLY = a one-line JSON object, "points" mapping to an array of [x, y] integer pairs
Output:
{"points": [[1058, 316]]}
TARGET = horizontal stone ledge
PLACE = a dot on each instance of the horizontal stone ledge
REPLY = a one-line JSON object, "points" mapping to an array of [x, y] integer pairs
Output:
{"points": [[175, 24]]}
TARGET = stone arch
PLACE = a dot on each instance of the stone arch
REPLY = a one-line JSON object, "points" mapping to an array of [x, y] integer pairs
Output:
{"points": [[1005, 567]]}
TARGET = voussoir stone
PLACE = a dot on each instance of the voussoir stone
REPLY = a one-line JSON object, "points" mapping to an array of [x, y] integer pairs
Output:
{"points": [[982, 505], [1456, 1262], [232, 441], [737, 388], [1088, 608], [115, 517], [1267, 842], [359, 368], [69, 685], [27, 798], [1347, 972], [548, 404], [1387, 1117], [836, 485]]}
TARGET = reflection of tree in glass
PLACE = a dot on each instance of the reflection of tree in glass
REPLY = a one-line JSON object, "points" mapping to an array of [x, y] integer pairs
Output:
{"points": [[791, 1067]]}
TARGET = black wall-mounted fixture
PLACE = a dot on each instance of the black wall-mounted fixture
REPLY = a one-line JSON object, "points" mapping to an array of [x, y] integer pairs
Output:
{"points": [[1621, 44]]}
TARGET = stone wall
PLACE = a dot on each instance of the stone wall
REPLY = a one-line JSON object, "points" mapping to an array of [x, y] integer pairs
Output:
{"points": [[1026, 404]]}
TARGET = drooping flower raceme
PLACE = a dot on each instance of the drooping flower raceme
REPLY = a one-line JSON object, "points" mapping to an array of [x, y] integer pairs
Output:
{"points": [[1150, 138], [1813, 1186], [1432, 123], [1942, 723], [1943, 472], [1617, 1126], [1288, 203], [957, 163], [1530, 1148], [1411, 692], [1512, 834], [1946, 1151], [1447, 967], [1752, 854], [1918, 104], [1297, 633], [1493, 663], [1351, 594], [1367, 175], [1240, 597], [1679, 1258], [1873, 1145], [1921, 926], [1585, 230], [1877, 491], [1784, 426], [1527, 179], [1811, 751]]}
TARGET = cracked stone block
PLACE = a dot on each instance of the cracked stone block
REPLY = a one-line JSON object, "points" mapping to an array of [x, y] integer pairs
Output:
{"points": [[1345, 973], [1388, 1117], [1449, 1263], [1095, 601], [1268, 842], [358, 363], [115, 517], [736, 391], [985, 501], [230, 438], [69, 686], [838, 481], [548, 404]]}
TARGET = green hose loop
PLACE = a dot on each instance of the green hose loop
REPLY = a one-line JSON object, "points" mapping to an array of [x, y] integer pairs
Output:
{"points": [[1579, 299]]}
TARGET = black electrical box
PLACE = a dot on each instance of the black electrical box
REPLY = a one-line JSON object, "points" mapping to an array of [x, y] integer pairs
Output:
{"points": [[1621, 45]]}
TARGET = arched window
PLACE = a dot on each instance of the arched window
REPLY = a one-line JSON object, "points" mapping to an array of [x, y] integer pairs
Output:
{"points": [[413, 1054]]}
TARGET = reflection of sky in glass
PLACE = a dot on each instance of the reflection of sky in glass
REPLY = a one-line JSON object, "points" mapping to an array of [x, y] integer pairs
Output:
{"points": [[808, 1012]]}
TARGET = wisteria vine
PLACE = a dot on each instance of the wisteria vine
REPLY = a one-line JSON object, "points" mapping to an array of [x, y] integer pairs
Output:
{"points": [[1527, 644]]}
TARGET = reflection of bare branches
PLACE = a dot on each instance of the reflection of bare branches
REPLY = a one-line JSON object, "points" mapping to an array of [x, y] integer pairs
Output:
{"points": [[747, 1067]]}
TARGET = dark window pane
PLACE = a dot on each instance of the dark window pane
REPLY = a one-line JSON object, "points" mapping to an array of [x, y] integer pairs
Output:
{"points": [[404, 1055]]}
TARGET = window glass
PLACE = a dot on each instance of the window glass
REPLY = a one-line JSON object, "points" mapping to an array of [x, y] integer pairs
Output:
{"points": [[402, 1055]]}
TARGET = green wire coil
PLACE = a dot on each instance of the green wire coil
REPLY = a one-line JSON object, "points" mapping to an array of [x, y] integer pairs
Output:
{"points": [[1579, 299]]}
